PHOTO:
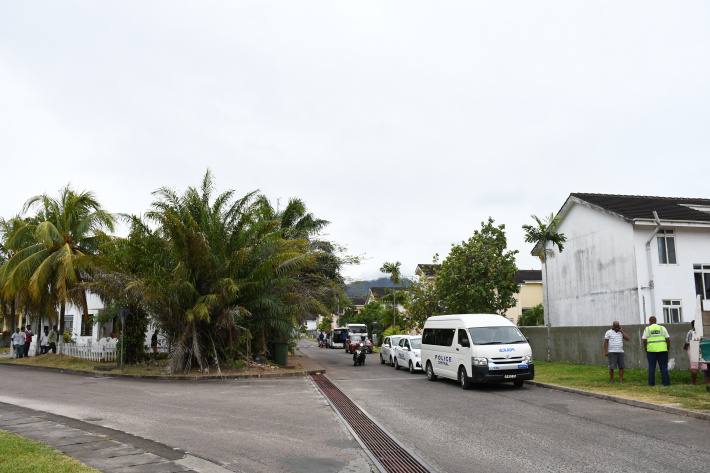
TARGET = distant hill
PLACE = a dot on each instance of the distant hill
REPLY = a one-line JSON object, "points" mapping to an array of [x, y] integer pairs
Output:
{"points": [[360, 288]]}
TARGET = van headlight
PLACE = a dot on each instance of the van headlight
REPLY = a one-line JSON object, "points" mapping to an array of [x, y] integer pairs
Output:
{"points": [[527, 359], [477, 361]]}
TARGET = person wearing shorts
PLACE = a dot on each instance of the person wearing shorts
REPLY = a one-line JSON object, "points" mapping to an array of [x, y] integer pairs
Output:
{"points": [[614, 350], [694, 366]]}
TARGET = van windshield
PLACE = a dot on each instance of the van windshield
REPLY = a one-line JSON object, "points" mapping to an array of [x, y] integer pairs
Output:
{"points": [[355, 329], [496, 335]]}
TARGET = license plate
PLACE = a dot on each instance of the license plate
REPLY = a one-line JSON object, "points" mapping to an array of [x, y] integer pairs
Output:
{"points": [[510, 376]]}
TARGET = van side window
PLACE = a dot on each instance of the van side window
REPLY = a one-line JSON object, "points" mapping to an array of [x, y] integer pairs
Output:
{"points": [[462, 335], [428, 336], [439, 336]]}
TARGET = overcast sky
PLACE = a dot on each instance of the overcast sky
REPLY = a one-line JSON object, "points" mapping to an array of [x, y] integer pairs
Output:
{"points": [[406, 124]]}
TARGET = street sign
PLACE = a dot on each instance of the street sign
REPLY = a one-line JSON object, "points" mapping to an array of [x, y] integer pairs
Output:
{"points": [[122, 314]]}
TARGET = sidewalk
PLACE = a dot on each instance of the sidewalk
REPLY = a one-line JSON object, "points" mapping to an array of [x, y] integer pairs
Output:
{"points": [[105, 449]]}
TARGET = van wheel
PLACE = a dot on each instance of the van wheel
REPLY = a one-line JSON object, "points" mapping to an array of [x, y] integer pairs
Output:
{"points": [[430, 372], [396, 364], [464, 380], [411, 367], [519, 383], [382, 360]]}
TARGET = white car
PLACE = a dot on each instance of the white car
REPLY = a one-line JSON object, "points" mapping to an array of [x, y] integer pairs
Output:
{"points": [[408, 353], [387, 349]]}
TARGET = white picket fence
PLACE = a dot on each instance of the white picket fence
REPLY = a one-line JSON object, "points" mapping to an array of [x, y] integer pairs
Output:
{"points": [[103, 350]]}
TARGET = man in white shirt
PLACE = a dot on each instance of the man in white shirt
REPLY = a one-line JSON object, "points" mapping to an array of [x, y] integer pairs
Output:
{"points": [[18, 341], [614, 350], [44, 341]]}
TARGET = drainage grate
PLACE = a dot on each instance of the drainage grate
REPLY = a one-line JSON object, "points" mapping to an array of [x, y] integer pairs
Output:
{"points": [[389, 455]]}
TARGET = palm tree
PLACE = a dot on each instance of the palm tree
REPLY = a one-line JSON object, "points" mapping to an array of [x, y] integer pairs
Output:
{"points": [[542, 234], [65, 229], [227, 275], [393, 270]]}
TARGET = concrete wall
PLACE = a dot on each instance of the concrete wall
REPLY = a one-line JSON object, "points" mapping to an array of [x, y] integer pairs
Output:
{"points": [[593, 281], [586, 345]]}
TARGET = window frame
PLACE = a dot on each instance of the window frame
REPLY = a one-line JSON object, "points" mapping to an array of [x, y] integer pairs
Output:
{"points": [[668, 306], [662, 238]]}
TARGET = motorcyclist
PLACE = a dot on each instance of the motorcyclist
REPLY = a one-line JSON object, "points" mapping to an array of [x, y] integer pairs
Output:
{"points": [[320, 338]]}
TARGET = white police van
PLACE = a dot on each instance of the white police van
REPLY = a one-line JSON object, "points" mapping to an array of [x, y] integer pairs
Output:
{"points": [[476, 348]]}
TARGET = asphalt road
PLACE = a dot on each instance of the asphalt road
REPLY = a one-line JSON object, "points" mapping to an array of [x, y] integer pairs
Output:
{"points": [[505, 429], [281, 425], [286, 426]]}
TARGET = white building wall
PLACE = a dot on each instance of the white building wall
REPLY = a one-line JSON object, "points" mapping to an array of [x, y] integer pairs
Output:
{"points": [[673, 281], [593, 281]]}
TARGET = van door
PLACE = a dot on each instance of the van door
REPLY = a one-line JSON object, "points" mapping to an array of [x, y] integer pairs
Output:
{"points": [[462, 353]]}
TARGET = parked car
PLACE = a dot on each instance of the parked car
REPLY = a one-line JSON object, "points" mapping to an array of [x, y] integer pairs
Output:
{"points": [[408, 353], [387, 349], [354, 340]]}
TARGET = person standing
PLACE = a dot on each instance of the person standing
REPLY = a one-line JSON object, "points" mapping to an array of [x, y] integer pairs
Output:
{"points": [[657, 343], [44, 342], [154, 343], [18, 342], [28, 340], [614, 350], [52, 340], [694, 366]]}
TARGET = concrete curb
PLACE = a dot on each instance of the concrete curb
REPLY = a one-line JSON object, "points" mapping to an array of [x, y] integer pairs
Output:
{"points": [[629, 402], [99, 374]]}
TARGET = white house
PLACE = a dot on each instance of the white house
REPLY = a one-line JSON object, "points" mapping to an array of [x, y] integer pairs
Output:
{"points": [[628, 258]]}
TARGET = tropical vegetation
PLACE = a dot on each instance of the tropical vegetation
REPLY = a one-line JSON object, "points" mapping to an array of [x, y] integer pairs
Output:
{"points": [[478, 275], [220, 275]]}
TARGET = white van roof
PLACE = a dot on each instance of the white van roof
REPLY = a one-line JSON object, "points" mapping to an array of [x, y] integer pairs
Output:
{"points": [[472, 320]]}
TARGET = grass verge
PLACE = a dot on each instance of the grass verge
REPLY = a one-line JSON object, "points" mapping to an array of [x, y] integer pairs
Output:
{"points": [[70, 363], [18, 453], [596, 379]]}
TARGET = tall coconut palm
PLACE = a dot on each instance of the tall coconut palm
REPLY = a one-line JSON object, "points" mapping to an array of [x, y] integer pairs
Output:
{"points": [[542, 234], [67, 227], [393, 270]]}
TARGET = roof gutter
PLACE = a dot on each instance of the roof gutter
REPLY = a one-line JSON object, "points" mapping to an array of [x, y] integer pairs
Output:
{"points": [[650, 265]]}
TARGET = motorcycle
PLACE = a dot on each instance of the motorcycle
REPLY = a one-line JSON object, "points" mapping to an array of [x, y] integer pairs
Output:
{"points": [[322, 343], [359, 354]]}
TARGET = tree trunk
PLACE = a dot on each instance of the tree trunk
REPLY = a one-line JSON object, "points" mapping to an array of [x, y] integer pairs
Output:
{"points": [[61, 318], [13, 320], [546, 313]]}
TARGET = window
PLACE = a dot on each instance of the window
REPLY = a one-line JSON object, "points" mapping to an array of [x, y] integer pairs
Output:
{"points": [[87, 328], [68, 323], [702, 280], [462, 336], [672, 311], [496, 335], [666, 247], [439, 336]]}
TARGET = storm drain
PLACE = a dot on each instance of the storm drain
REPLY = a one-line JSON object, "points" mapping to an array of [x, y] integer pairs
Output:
{"points": [[389, 455]]}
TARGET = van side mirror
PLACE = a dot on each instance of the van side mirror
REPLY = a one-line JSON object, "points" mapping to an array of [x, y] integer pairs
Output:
{"points": [[464, 342]]}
